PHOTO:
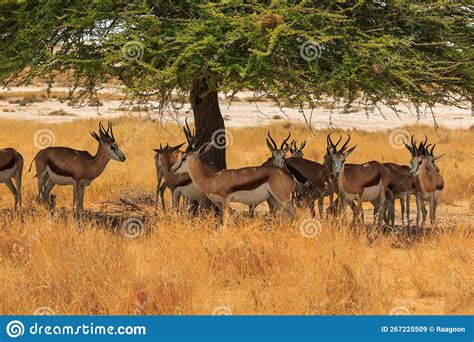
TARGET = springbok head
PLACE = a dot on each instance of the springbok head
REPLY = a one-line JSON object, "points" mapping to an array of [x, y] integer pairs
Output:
{"points": [[331, 147], [295, 150], [338, 157], [167, 154], [278, 154], [189, 157], [107, 141], [421, 154]]}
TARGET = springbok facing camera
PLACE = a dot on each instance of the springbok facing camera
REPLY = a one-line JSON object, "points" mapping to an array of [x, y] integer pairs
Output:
{"points": [[365, 182], [248, 185], [427, 181], [11, 166], [66, 166], [278, 154], [297, 151]]}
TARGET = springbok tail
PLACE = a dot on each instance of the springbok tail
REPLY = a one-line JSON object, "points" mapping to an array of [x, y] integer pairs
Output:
{"points": [[31, 164]]}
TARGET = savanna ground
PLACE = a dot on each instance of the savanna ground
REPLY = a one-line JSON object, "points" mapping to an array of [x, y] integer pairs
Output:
{"points": [[190, 265]]}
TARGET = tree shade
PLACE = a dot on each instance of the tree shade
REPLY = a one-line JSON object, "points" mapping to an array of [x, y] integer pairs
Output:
{"points": [[294, 52]]}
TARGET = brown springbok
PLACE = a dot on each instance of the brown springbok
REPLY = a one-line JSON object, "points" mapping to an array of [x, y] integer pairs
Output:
{"points": [[173, 158], [367, 182], [66, 166], [248, 185], [180, 184], [427, 181], [11, 166], [296, 151], [160, 185], [400, 187], [278, 154], [313, 182]]}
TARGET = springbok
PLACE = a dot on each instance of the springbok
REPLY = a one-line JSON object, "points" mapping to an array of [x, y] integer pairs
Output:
{"points": [[427, 181], [278, 154], [367, 182], [297, 151], [313, 181], [400, 187], [248, 185], [161, 187], [180, 184], [66, 166], [11, 166]]}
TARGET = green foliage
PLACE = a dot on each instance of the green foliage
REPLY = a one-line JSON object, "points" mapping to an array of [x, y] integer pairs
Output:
{"points": [[370, 51]]}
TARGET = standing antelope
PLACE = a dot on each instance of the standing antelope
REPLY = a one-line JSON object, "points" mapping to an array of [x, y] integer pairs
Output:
{"points": [[400, 187], [161, 187], [297, 151], [248, 185], [366, 182], [66, 166], [11, 166], [180, 184], [278, 154], [427, 181]]}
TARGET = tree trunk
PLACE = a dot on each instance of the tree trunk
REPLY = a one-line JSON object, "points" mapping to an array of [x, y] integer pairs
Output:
{"points": [[208, 120]]}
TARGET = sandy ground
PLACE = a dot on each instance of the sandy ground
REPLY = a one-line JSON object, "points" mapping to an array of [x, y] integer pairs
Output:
{"points": [[242, 113]]}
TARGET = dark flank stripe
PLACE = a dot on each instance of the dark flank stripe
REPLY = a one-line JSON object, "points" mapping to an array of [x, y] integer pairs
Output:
{"points": [[57, 169], [299, 177], [8, 165], [185, 182], [251, 185], [374, 181]]}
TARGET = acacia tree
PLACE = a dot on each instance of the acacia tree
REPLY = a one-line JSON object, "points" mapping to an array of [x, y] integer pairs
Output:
{"points": [[294, 53]]}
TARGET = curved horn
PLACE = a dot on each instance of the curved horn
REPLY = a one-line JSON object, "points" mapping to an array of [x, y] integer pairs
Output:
{"points": [[329, 141], [102, 131], [431, 152], [272, 141], [284, 141], [187, 131], [340, 138], [111, 131], [345, 144]]}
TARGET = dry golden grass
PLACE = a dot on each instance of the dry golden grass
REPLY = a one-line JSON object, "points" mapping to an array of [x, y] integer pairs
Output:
{"points": [[192, 266]]}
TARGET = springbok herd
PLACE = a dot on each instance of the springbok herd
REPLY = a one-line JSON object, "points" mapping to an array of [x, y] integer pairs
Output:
{"points": [[283, 181]]}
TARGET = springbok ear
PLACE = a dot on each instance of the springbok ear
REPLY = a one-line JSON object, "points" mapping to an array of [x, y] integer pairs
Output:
{"points": [[204, 148], [177, 147], [157, 150], [95, 136], [303, 144], [349, 151]]}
